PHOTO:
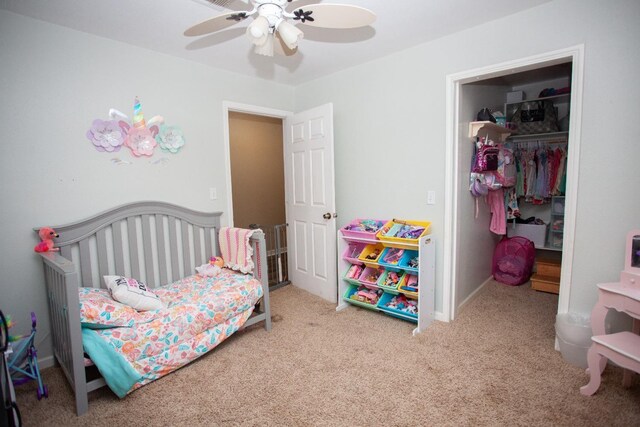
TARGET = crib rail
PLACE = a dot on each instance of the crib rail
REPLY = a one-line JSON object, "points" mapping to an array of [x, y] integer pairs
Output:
{"points": [[154, 242], [61, 280]]}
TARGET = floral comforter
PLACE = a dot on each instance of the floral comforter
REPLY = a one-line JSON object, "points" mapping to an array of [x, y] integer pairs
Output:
{"points": [[201, 313]]}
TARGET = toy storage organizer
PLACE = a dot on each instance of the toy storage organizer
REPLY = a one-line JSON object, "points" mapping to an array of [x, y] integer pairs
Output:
{"points": [[367, 259]]}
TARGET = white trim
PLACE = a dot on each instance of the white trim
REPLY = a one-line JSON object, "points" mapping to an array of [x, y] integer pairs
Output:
{"points": [[453, 82], [228, 106], [474, 294], [573, 168], [440, 317], [46, 362], [450, 203]]}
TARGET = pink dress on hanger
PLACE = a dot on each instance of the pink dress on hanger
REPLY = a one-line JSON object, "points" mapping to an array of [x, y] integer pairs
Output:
{"points": [[498, 224]]}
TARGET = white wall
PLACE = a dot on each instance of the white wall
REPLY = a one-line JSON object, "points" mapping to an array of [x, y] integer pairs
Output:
{"points": [[390, 125], [54, 82], [475, 241]]}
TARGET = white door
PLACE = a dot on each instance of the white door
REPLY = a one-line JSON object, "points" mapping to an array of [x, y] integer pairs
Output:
{"points": [[310, 201]]}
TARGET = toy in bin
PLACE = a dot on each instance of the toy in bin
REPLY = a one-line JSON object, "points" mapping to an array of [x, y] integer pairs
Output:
{"points": [[414, 262], [399, 232], [368, 225], [392, 256], [354, 251], [371, 275], [391, 280], [354, 272], [370, 254], [404, 304], [366, 295], [23, 359], [402, 230], [411, 285]]}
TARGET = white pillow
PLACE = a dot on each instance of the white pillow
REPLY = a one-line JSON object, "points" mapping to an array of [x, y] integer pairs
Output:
{"points": [[132, 293]]}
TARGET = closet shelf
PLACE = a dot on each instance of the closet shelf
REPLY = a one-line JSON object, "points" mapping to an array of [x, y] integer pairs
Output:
{"points": [[482, 128], [546, 98], [540, 136]]}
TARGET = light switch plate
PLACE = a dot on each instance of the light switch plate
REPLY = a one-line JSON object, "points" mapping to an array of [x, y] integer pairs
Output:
{"points": [[213, 193], [431, 197]]}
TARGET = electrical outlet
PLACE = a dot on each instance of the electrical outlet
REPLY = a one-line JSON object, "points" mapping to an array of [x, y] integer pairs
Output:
{"points": [[431, 197], [213, 193]]}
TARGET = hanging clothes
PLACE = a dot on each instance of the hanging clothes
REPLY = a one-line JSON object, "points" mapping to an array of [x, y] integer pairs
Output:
{"points": [[511, 202], [541, 170], [495, 199]]}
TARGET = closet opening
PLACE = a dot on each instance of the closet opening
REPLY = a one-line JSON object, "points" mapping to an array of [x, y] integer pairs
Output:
{"points": [[257, 185], [551, 82], [529, 202]]}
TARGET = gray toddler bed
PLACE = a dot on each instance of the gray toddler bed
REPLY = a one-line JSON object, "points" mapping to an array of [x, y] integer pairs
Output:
{"points": [[154, 242]]}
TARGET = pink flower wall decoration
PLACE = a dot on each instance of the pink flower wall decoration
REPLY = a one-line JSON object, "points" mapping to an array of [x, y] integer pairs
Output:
{"points": [[141, 141]]}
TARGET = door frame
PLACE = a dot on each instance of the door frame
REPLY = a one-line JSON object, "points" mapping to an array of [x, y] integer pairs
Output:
{"points": [[453, 83], [227, 107]]}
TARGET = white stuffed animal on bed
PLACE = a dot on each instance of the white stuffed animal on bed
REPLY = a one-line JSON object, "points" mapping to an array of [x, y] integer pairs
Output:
{"points": [[212, 268]]}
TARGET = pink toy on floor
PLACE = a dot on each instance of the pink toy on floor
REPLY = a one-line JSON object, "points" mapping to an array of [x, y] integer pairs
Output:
{"points": [[46, 235]]}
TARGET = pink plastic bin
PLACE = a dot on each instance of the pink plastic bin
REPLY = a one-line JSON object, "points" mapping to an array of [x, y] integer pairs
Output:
{"points": [[369, 271], [352, 253], [362, 234]]}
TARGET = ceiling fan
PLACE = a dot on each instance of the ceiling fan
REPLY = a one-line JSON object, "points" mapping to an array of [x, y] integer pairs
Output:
{"points": [[271, 31]]}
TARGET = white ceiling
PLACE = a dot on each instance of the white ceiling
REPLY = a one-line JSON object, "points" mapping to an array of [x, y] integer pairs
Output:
{"points": [[159, 25]]}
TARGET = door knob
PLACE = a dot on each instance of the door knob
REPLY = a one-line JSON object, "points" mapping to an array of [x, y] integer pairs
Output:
{"points": [[326, 216]]}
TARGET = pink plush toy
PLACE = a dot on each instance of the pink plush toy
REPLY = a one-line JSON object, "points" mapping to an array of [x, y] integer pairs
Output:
{"points": [[46, 235], [212, 268], [216, 260]]}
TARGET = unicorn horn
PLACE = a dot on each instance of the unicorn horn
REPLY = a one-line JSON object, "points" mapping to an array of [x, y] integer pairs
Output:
{"points": [[138, 117]]}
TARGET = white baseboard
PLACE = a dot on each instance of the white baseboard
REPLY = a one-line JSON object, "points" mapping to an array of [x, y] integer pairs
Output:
{"points": [[439, 316], [46, 362], [473, 295]]}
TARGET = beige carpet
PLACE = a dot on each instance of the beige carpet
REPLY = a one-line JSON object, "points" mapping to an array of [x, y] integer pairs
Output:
{"points": [[495, 365]]}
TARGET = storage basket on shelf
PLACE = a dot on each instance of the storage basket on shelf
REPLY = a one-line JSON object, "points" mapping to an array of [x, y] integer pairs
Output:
{"points": [[363, 296], [370, 276], [390, 258], [513, 260], [352, 275], [371, 254], [409, 285], [403, 233], [389, 281], [410, 261], [399, 306], [352, 253], [363, 228]]}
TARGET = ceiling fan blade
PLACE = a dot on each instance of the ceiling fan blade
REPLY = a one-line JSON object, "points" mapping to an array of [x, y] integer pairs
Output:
{"points": [[238, 5], [334, 16], [217, 23]]}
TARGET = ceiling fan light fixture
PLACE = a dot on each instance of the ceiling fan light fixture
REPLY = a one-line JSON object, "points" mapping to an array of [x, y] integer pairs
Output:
{"points": [[290, 34], [266, 48], [258, 31]]}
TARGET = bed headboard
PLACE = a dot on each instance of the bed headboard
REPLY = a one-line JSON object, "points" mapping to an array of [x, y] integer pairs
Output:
{"points": [[154, 242]]}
